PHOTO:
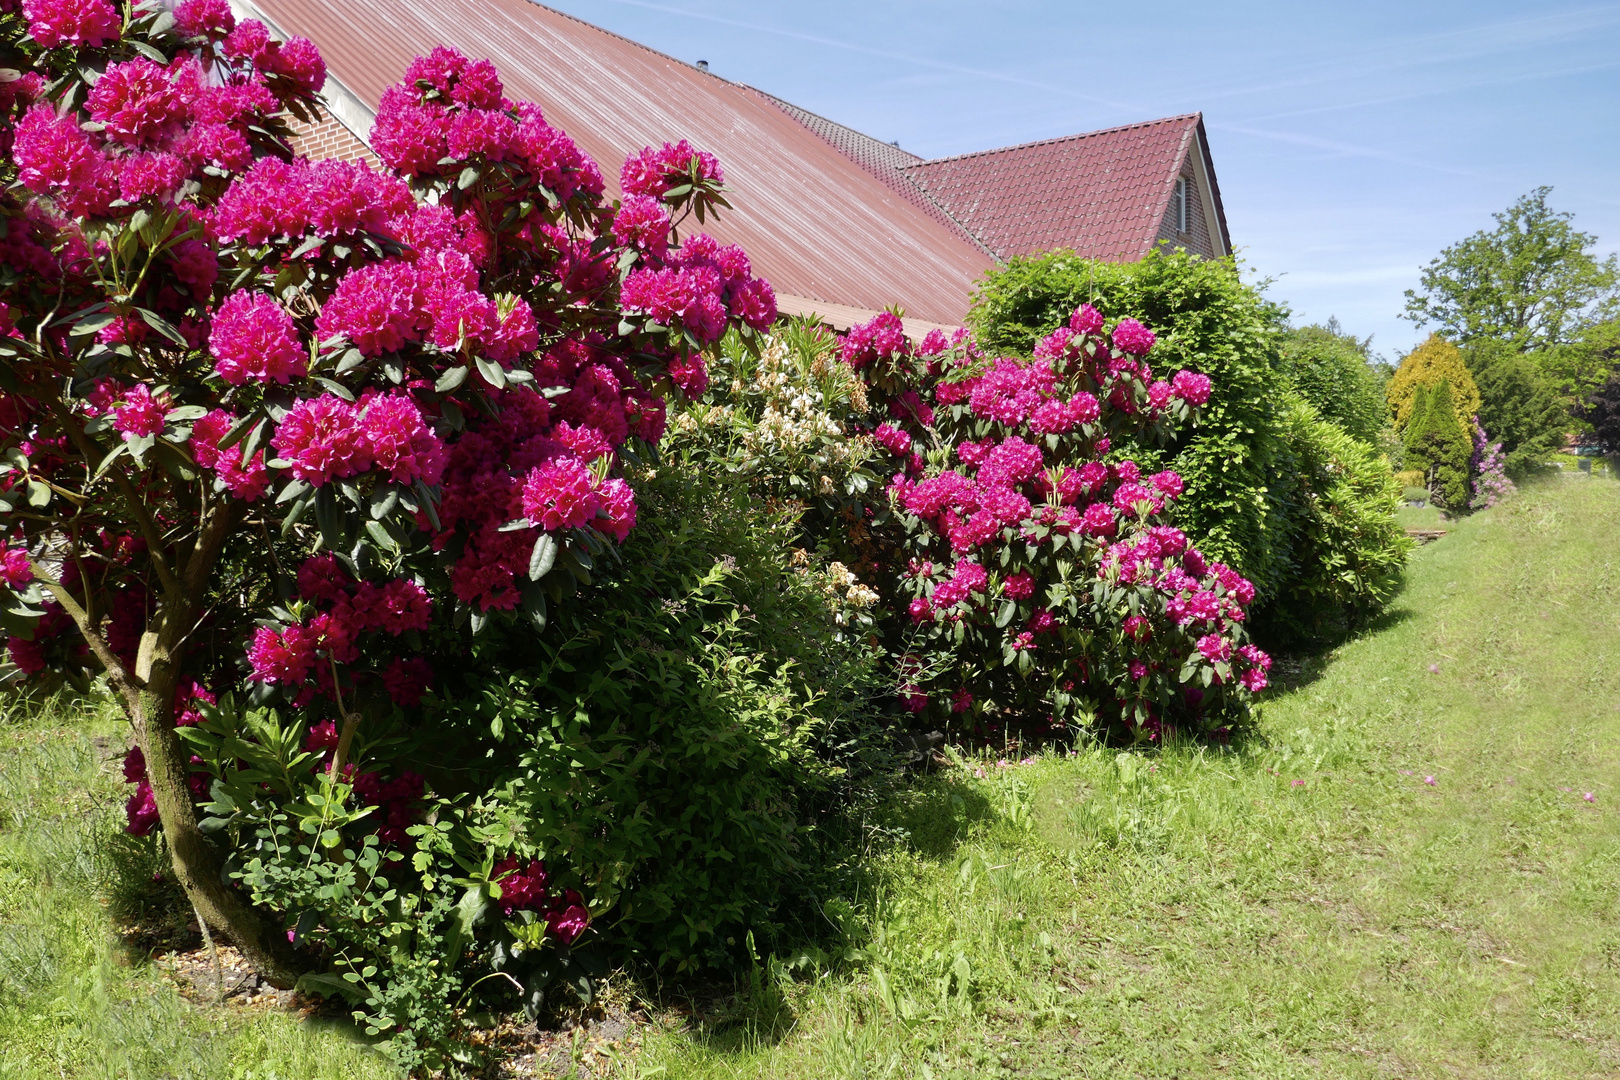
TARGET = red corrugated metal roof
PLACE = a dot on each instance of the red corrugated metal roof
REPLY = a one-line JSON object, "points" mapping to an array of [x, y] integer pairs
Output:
{"points": [[814, 222], [883, 160], [1102, 193]]}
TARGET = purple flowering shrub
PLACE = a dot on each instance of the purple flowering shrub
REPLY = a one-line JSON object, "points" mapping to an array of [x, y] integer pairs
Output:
{"points": [[1489, 471], [282, 433], [1039, 585]]}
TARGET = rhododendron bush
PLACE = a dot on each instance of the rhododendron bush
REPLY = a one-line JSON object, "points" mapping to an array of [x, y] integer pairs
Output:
{"points": [[1041, 584], [273, 428]]}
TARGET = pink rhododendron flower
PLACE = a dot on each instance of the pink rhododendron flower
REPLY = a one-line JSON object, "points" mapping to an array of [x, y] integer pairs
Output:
{"points": [[653, 172], [406, 680], [254, 338], [690, 374], [568, 922], [619, 507], [322, 439], [15, 568], [892, 439], [134, 102], [139, 413], [400, 442], [53, 23], [247, 481], [962, 700], [1215, 648], [284, 658], [1132, 337], [561, 494], [1098, 520], [375, 307], [1191, 387], [195, 18], [1019, 586], [884, 337], [643, 223], [1086, 320]]}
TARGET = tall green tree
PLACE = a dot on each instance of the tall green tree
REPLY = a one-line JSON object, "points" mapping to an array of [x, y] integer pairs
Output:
{"points": [[1333, 371], [1519, 407], [1531, 281], [1439, 445]]}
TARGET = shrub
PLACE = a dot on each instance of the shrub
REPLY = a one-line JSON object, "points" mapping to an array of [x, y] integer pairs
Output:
{"points": [[1435, 359], [282, 439], [1349, 548], [1040, 588], [1601, 410], [692, 742], [1517, 405], [1332, 371], [1489, 469], [1206, 319], [1438, 445], [786, 421]]}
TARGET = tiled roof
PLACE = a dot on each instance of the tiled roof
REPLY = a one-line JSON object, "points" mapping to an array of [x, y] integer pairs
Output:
{"points": [[886, 161], [1102, 193]]}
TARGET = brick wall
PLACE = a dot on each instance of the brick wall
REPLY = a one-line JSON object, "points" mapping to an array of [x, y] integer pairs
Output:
{"points": [[330, 139], [1196, 239]]}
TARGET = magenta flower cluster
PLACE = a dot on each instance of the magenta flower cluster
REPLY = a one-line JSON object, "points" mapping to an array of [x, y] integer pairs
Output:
{"points": [[1041, 573], [527, 889]]}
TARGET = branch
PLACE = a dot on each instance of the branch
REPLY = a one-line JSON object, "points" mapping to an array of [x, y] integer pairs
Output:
{"points": [[126, 684], [154, 539]]}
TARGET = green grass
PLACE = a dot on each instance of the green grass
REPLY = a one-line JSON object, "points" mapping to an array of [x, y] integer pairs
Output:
{"points": [[1301, 905], [1305, 905], [1419, 517], [75, 1001]]}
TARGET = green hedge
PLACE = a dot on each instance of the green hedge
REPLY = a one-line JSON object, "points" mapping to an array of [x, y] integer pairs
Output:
{"points": [[1322, 551], [1235, 463]]}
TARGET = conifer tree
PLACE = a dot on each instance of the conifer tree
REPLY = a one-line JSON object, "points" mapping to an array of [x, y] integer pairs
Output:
{"points": [[1439, 445]]}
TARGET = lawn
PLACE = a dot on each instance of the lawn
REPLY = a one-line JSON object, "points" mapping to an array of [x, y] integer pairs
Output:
{"points": [[1399, 874]]}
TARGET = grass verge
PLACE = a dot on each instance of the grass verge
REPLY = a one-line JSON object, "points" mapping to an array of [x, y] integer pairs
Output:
{"points": [[1400, 874], [76, 1000]]}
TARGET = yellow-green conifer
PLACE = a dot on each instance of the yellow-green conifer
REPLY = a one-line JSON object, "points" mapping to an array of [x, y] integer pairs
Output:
{"points": [[1427, 365]]}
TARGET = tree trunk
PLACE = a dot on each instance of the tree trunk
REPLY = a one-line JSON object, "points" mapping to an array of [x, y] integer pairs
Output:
{"points": [[198, 862]]}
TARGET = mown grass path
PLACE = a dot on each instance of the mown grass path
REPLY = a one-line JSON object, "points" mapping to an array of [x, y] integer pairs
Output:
{"points": [[1306, 904], [1400, 876]]}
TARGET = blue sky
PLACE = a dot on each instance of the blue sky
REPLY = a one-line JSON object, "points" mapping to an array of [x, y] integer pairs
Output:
{"points": [[1352, 141]]}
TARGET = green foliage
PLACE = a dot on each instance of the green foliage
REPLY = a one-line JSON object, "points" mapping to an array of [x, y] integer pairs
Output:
{"points": [[1333, 372], [1601, 410], [1439, 445], [781, 421], [1530, 282], [1433, 360], [1518, 407], [1583, 365], [1208, 320], [1349, 549], [693, 741], [79, 996]]}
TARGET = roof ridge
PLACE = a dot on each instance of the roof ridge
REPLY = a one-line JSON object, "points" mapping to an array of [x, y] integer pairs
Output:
{"points": [[888, 175], [836, 124], [1059, 139]]}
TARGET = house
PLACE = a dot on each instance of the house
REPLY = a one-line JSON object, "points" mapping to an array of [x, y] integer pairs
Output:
{"points": [[841, 224]]}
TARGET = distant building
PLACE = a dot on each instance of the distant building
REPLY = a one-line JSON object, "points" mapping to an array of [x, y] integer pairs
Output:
{"points": [[841, 224]]}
